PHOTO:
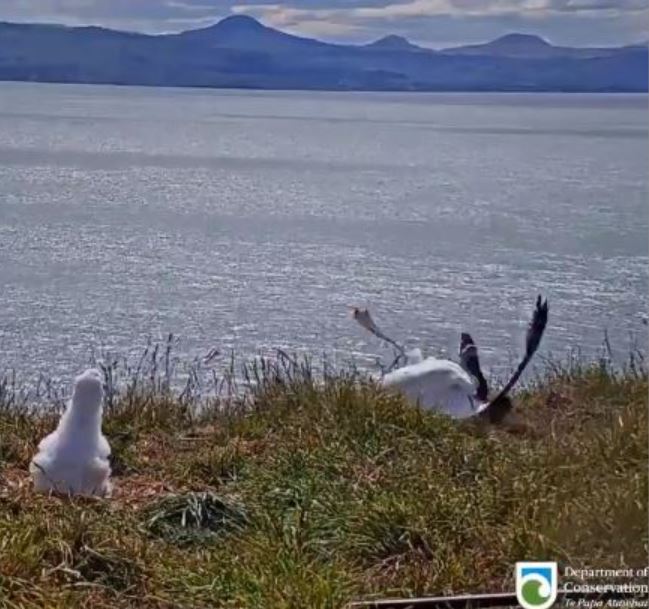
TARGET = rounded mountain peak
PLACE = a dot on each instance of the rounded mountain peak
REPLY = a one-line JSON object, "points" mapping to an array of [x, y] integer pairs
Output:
{"points": [[393, 43], [239, 22], [529, 40]]}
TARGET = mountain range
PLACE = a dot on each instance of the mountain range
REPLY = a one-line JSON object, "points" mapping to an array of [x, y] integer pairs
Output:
{"points": [[241, 52]]}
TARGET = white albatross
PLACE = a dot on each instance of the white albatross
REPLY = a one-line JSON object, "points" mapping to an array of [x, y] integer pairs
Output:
{"points": [[73, 459], [458, 390]]}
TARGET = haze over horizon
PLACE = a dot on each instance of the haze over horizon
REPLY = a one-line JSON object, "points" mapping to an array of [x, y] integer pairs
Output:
{"points": [[431, 23]]}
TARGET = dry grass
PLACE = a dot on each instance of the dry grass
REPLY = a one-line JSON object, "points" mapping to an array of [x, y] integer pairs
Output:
{"points": [[311, 495]]}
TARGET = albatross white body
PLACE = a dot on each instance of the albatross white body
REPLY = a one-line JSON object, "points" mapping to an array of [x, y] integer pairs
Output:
{"points": [[436, 384], [74, 458]]}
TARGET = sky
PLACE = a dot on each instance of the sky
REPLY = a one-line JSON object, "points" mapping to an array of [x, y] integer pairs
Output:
{"points": [[433, 23]]}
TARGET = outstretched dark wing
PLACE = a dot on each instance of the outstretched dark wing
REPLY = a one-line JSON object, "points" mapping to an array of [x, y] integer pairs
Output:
{"points": [[537, 327], [471, 363], [532, 340]]}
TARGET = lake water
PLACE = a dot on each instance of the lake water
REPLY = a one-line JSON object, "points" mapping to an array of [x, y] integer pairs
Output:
{"points": [[252, 220]]}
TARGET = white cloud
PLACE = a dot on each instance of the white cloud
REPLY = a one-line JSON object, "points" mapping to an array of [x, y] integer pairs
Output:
{"points": [[458, 8], [617, 21]]}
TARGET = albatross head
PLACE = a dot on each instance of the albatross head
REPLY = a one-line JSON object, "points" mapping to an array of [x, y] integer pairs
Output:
{"points": [[88, 391]]}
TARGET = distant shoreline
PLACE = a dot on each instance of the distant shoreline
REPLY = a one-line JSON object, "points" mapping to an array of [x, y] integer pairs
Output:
{"points": [[242, 53], [418, 92]]}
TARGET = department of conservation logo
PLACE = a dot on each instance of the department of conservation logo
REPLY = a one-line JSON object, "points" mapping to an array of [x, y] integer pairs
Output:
{"points": [[536, 584]]}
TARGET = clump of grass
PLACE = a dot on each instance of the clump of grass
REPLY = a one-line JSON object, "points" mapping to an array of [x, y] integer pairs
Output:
{"points": [[347, 491], [193, 518]]}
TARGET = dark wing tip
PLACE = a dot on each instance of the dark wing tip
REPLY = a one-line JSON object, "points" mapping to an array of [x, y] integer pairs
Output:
{"points": [[541, 311], [537, 325], [466, 345], [465, 340], [541, 305]]}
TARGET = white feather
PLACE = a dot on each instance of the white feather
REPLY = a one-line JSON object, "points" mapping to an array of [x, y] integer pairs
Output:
{"points": [[435, 384], [74, 458]]}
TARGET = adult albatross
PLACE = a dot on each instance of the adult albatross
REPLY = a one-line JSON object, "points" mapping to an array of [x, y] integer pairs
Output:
{"points": [[459, 390]]}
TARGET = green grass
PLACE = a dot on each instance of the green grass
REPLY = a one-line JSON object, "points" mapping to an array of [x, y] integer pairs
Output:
{"points": [[311, 495]]}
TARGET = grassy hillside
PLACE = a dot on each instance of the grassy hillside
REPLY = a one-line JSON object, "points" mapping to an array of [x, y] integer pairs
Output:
{"points": [[309, 496]]}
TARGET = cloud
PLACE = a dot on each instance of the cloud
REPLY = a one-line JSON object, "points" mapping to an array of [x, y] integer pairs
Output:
{"points": [[439, 22], [458, 8], [601, 5], [142, 15], [432, 22]]}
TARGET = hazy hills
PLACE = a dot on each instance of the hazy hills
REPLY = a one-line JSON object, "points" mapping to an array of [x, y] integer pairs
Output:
{"points": [[241, 52]]}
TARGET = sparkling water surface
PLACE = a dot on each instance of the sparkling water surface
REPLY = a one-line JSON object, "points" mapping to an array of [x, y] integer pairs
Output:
{"points": [[253, 220]]}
